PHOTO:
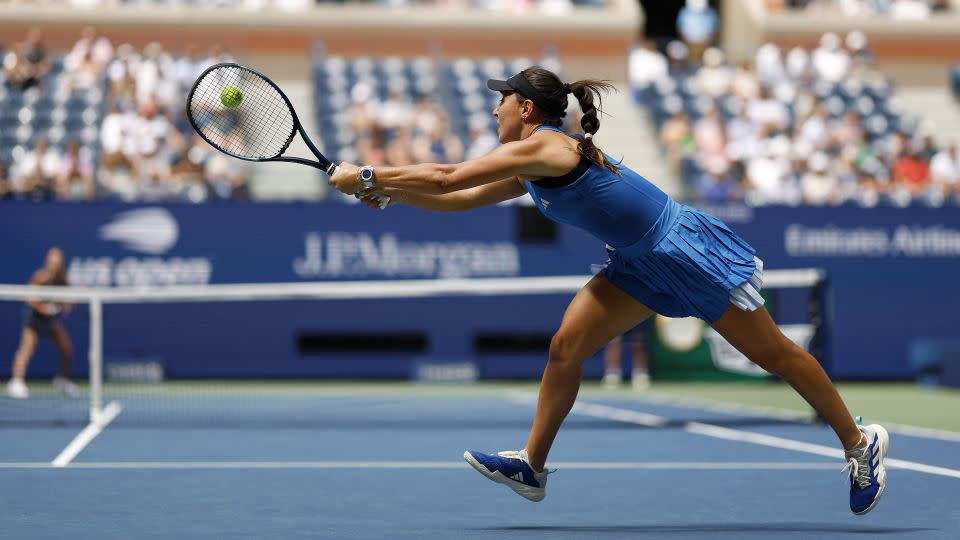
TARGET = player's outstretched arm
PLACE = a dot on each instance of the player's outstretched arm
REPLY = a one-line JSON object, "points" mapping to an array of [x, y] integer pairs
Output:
{"points": [[530, 158], [457, 201]]}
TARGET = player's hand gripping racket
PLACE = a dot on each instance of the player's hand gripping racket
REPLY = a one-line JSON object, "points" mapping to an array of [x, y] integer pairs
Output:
{"points": [[243, 114]]}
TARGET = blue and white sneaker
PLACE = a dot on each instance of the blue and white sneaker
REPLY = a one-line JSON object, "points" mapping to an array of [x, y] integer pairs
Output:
{"points": [[868, 477], [513, 469]]}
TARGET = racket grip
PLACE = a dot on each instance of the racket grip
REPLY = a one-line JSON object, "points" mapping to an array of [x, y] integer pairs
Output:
{"points": [[382, 200]]}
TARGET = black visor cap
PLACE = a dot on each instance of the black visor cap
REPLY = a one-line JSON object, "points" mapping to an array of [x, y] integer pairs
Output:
{"points": [[520, 85], [500, 86]]}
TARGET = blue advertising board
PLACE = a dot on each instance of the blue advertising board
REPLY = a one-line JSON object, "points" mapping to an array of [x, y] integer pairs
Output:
{"points": [[893, 274], [110, 245], [124, 245]]}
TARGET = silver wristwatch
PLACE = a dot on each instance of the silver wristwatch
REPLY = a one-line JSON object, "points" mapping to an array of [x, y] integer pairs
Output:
{"points": [[367, 177]]}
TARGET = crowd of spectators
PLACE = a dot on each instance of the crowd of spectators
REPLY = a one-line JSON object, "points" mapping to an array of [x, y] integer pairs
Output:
{"points": [[397, 126], [135, 143], [796, 126], [792, 126], [149, 151], [140, 146], [41, 170], [44, 173], [398, 131], [26, 62], [897, 9]]}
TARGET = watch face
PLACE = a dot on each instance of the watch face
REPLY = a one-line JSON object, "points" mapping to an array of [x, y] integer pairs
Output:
{"points": [[366, 174]]}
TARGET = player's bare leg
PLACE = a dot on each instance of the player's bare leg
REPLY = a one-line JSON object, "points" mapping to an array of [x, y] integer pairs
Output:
{"points": [[16, 387], [611, 363], [598, 313], [62, 341], [62, 381], [640, 377], [756, 335], [21, 359]]}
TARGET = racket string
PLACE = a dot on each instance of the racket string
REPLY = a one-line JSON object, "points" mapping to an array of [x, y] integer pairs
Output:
{"points": [[260, 127]]}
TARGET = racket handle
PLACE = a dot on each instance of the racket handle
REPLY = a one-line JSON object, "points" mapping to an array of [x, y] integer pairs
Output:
{"points": [[382, 200]]}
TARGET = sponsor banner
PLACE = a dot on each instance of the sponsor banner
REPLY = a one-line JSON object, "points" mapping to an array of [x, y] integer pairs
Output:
{"points": [[348, 255], [155, 246], [895, 241]]}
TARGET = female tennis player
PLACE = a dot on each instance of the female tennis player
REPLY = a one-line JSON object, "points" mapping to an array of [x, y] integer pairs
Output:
{"points": [[41, 318], [664, 257]]}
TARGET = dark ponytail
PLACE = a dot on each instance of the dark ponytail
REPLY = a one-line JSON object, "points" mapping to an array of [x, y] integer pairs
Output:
{"points": [[555, 92], [585, 91]]}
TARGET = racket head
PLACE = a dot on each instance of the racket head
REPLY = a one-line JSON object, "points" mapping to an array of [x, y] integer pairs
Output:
{"points": [[260, 128]]}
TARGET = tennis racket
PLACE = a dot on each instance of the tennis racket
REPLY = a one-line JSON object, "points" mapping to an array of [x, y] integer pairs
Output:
{"points": [[260, 122]]}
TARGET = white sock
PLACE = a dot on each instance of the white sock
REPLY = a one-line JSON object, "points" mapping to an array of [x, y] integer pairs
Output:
{"points": [[859, 449]]}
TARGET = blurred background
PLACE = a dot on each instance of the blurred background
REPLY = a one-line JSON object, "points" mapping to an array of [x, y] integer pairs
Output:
{"points": [[824, 131]]}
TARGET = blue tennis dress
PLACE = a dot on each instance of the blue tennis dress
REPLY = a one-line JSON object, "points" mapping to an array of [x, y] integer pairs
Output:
{"points": [[676, 260]]}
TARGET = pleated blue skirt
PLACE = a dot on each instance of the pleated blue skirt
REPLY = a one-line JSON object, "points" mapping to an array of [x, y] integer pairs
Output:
{"points": [[688, 265]]}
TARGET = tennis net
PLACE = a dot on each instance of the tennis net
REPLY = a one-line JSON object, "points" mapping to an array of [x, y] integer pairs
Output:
{"points": [[240, 388]]}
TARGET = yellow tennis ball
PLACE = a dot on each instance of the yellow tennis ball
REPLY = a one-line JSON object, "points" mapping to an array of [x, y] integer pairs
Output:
{"points": [[231, 97]]}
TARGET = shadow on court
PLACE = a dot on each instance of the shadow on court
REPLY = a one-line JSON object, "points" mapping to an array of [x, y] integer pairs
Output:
{"points": [[823, 528]]}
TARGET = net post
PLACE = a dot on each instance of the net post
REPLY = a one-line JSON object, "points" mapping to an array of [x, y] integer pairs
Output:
{"points": [[95, 357]]}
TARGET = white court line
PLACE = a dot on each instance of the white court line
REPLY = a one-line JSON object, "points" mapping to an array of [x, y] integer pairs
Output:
{"points": [[787, 414], [709, 430], [790, 444], [718, 432], [571, 465], [922, 432], [614, 413], [87, 435]]}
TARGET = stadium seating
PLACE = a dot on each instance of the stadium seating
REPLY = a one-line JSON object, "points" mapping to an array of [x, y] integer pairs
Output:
{"points": [[866, 93], [335, 78], [456, 85], [52, 111]]}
